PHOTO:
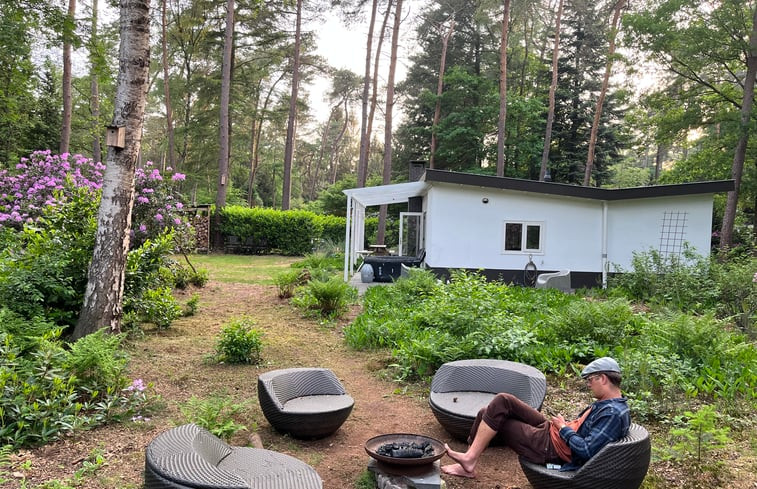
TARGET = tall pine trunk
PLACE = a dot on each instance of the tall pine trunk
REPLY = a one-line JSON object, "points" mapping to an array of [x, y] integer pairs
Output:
{"points": [[103, 296], [224, 126], [387, 173], [374, 86], [602, 93], [726, 231], [94, 87], [552, 90], [439, 89], [362, 165], [166, 87], [502, 91], [65, 131], [290, 137]]}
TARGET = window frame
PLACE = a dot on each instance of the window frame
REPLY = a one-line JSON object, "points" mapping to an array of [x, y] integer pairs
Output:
{"points": [[524, 250]]}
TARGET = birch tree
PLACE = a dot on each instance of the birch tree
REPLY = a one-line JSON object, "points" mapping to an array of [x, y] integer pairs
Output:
{"points": [[103, 296]]}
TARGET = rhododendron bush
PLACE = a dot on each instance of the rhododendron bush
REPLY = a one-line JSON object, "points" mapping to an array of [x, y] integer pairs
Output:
{"points": [[46, 179]]}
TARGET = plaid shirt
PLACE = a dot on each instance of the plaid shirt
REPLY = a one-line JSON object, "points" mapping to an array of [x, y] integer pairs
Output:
{"points": [[608, 421]]}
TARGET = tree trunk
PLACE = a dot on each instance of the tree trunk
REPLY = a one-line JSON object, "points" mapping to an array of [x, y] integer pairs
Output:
{"points": [[224, 126], [65, 131], [552, 90], [94, 102], [362, 166], [105, 279], [256, 134], [729, 216], [374, 83], [166, 89], [602, 93], [502, 92], [333, 160], [290, 137], [387, 174], [439, 88]]}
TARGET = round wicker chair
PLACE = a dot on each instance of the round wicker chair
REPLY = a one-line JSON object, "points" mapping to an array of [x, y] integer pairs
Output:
{"points": [[618, 465], [460, 389], [188, 457], [304, 403]]}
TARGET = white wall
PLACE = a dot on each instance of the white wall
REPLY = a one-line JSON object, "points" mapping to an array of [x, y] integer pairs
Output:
{"points": [[463, 232], [636, 225]]}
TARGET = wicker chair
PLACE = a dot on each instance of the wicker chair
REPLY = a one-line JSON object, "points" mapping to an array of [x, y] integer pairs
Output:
{"points": [[188, 457], [305, 403], [619, 465], [460, 389]]}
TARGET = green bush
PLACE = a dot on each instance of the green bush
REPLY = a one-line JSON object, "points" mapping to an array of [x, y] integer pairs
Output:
{"points": [[240, 342], [43, 268], [683, 282], [330, 298], [156, 306], [44, 397]]}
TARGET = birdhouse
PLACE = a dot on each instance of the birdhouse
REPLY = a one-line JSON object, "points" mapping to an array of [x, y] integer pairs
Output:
{"points": [[116, 137]]}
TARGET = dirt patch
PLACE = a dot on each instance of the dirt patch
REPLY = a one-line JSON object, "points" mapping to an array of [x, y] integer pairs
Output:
{"points": [[175, 362]]}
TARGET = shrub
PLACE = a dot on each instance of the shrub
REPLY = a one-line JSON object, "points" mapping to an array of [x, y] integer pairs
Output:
{"points": [[288, 280], [683, 281], [330, 298], [43, 397], [216, 414], [97, 360], [240, 342]]}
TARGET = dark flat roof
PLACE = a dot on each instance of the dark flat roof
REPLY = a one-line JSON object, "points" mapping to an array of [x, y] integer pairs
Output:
{"points": [[562, 189]]}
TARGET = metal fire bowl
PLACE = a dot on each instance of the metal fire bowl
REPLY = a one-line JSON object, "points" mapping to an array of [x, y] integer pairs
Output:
{"points": [[374, 443]]}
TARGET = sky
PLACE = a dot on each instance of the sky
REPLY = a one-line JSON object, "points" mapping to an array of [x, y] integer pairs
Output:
{"points": [[344, 47]]}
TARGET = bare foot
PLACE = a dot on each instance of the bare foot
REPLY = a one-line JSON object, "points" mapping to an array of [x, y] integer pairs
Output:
{"points": [[458, 470], [466, 465]]}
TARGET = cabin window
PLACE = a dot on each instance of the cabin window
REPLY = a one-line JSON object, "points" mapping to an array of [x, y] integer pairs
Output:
{"points": [[523, 237]]}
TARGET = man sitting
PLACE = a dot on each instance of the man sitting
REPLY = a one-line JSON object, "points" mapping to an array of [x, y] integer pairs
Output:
{"points": [[541, 440]]}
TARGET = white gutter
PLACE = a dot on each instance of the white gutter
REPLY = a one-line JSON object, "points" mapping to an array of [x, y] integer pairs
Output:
{"points": [[347, 247], [605, 263]]}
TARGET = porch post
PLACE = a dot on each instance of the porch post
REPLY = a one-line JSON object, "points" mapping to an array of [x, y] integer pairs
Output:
{"points": [[347, 247]]}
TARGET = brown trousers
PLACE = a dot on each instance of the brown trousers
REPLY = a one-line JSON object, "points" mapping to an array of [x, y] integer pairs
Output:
{"points": [[518, 426]]}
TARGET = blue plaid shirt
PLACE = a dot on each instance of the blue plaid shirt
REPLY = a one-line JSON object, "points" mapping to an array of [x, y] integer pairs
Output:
{"points": [[608, 421]]}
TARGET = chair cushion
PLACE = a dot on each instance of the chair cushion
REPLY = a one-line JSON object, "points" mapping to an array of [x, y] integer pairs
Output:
{"points": [[461, 403], [317, 404]]}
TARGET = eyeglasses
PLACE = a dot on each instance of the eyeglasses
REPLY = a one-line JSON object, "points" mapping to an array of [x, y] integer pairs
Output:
{"points": [[590, 379]]}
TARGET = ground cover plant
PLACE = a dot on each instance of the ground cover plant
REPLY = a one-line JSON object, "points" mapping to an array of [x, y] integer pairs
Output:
{"points": [[681, 363], [183, 386]]}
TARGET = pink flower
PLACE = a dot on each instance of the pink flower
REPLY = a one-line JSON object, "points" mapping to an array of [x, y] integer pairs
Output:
{"points": [[177, 177], [159, 217]]}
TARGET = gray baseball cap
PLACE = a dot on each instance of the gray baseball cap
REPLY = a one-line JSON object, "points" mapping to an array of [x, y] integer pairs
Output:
{"points": [[604, 364]]}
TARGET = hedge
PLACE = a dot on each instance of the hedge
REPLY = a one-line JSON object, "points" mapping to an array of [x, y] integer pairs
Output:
{"points": [[290, 232]]}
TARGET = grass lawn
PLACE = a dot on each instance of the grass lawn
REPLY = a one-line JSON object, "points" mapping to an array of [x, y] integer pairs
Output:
{"points": [[242, 269]]}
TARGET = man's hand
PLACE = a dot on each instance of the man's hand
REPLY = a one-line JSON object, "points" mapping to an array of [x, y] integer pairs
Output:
{"points": [[558, 421]]}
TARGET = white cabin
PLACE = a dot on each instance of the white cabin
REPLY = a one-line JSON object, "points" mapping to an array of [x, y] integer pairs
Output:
{"points": [[506, 225]]}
